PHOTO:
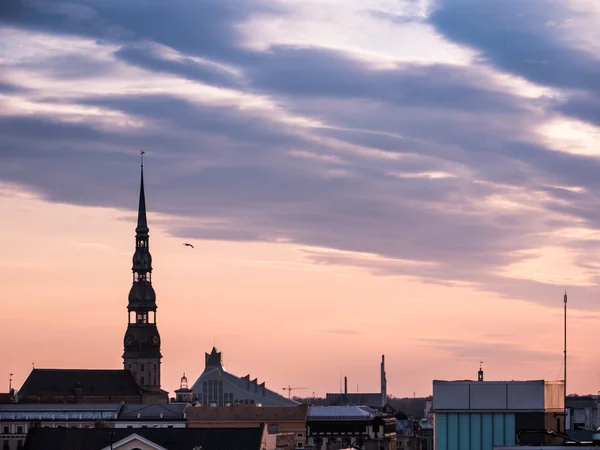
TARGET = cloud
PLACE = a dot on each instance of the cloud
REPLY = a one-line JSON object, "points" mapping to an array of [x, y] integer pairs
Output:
{"points": [[515, 36], [490, 351], [437, 170]]}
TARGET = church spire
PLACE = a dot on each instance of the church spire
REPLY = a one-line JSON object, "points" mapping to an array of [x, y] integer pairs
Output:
{"points": [[142, 224], [141, 353]]}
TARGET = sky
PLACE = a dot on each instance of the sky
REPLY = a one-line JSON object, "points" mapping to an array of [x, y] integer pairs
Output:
{"points": [[414, 178]]}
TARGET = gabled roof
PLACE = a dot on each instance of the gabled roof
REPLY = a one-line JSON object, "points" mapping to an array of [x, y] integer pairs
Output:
{"points": [[172, 411], [62, 382], [170, 438], [133, 437], [316, 413]]}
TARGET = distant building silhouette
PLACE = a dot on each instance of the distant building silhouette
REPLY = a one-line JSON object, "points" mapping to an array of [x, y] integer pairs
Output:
{"points": [[217, 387], [375, 399]]}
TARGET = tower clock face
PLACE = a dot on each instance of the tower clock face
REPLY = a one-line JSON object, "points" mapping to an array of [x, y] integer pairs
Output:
{"points": [[155, 340], [129, 340]]}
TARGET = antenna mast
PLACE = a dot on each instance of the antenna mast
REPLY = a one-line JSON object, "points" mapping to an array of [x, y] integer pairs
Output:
{"points": [[565, 362]]}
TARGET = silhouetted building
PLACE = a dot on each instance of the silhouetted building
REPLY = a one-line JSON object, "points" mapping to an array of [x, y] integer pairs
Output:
{"points": [[144, 438], [342, 427], [17, 419], [217, 387], [374, 400], [285, 426], [80, 386], [488, 414], [141, 353]]}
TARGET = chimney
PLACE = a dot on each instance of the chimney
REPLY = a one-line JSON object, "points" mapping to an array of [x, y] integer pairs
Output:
{"points": [[480, 373], [345, 385], [383, 382]]}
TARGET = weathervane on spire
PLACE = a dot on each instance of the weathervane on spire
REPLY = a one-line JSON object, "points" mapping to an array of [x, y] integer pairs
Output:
{"points": [[142, 156]]}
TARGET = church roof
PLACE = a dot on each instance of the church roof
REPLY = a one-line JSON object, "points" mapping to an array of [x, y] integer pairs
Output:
{"points": [[171, 438], [240, 387], [94, 383]]}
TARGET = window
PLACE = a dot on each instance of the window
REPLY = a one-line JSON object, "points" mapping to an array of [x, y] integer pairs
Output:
{"points": [[142, 369], [20, 429], [142, 381], [6, 430], [5, 446], [20, 443], [299, 445], [273, 428], [300, 435], [129, 366]]}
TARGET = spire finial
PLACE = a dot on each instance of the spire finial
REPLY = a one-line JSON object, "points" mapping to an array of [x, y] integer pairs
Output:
{"points": [[565, 297], [142, 157]]}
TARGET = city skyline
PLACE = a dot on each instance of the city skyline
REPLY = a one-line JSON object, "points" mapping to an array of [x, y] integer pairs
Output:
{"points": [[346, 197]]}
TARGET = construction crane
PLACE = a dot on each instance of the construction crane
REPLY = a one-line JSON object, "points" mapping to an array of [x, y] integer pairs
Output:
{"points": [[290, 389]]}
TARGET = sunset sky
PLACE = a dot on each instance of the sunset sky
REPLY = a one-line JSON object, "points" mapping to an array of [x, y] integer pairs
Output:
{"points": [[414, 178]]}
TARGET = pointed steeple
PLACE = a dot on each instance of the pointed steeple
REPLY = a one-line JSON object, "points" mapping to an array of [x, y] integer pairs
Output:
{"points": [[142, 224], [141, 353]]}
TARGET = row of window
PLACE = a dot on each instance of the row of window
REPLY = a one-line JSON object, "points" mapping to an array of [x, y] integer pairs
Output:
{"points": [[6, 429]]}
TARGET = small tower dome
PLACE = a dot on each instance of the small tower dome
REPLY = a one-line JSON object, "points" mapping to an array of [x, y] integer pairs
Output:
{"points": [[184, 382]]}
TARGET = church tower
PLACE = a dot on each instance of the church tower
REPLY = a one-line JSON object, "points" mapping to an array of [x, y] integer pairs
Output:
{"points": [[142, 342]]}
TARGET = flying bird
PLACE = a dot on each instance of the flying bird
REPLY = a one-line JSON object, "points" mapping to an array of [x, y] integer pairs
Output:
{"points": [[187, 245]]}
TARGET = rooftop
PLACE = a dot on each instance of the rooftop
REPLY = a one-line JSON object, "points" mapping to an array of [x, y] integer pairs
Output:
{"points": [[248, 412], [171, 411], [341, 413], [170, 438], [62, 383], [20, 411]]}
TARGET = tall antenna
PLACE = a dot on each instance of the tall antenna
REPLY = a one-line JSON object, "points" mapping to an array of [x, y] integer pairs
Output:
{"points": [[142, 152], [565, 362]]}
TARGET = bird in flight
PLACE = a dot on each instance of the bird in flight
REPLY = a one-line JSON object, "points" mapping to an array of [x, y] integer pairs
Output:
{"points": [[187, 245]]}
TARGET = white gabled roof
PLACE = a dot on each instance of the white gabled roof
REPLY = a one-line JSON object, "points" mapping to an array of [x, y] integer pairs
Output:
{"points": [[134, 437]]}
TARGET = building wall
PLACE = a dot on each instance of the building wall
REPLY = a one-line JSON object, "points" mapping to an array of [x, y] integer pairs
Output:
{"points": [[14, 432], [473, 431], [296, 429], [497, 396]]}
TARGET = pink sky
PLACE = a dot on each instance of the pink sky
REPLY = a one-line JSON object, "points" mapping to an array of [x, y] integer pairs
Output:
{"points": [[358, 178], [66, 276]]}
